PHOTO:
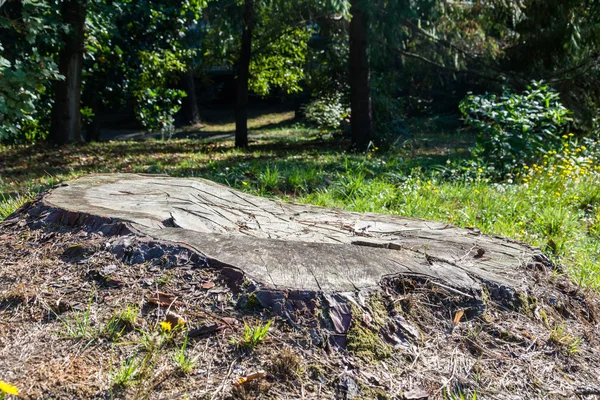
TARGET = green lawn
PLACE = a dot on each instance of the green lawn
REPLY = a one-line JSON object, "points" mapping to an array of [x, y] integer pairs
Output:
{"points": [[555, 205]]}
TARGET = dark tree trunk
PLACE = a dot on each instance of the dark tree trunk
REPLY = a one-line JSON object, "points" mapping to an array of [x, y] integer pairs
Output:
{"points": [[241, 107], [189, 105], [360, 92], [65, 125]]}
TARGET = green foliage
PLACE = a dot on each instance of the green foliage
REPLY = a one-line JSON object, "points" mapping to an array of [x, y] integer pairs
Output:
{"points": [[128, 373], [328, 111], [121, 322], [28, 41], [156, 104], [182, 360], [279, 62], [9, 205], [516, 129], [80, 325], [252, 336]]}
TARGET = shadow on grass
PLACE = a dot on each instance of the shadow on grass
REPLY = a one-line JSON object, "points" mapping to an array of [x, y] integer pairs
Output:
{"points": [[277, 155]]}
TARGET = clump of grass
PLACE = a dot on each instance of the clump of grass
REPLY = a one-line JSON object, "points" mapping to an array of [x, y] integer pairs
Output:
{"points": [[183, 362], [252, 336], [120, 322], [459, 396], [560, 337], [80, 325], [286, 365], [9, 205], [128, 373]]}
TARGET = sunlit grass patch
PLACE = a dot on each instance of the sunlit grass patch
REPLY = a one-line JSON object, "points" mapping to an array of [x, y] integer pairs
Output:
{"points": [[9, 204]]}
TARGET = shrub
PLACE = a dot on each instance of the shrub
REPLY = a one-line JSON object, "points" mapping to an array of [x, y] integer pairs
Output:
{"points": [[515, 129], [328, 111], [156, 103]]}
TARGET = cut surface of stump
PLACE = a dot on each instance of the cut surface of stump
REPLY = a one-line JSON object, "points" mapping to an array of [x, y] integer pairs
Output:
{"points": [[301, 247]]}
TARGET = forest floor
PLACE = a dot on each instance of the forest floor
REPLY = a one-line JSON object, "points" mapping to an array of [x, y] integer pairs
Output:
{"points": [[56, 302], [79, 321]]}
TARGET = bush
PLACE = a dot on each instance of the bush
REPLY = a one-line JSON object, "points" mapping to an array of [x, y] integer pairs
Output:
{"points": [[156, 103], [516, 129], [328, 111]]}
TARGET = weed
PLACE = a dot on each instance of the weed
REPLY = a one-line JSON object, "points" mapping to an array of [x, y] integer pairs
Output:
{"points": [[80, 325], [560, 337], [181, 359], [128, 373], [458, 396], [119, 323], [252, 336], [269, 178]]}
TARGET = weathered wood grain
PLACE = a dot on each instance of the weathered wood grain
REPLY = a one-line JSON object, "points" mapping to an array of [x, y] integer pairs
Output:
{"points": [[296, 246]]}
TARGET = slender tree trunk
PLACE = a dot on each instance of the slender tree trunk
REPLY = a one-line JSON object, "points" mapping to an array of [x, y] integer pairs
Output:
{"points": [[241, 107], [65, 125], [189, 105], [361, 119]]}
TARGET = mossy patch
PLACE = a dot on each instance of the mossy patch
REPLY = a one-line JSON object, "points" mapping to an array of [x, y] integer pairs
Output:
{"points": [[366, 343], [377, 307]]}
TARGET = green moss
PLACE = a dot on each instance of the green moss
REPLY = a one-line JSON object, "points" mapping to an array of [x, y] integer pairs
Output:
{"points": [[376, 305], [366, 343], [526, 304], [368, 392]]}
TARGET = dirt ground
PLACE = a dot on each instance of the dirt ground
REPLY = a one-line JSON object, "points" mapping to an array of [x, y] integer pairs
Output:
{"points": [[80, 318]]}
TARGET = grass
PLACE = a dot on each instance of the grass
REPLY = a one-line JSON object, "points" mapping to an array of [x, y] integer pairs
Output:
{"points": [[128, 373], [120, 322], [252, 336], [554, 205], [9, 204], [80, 325], [182, 361]]}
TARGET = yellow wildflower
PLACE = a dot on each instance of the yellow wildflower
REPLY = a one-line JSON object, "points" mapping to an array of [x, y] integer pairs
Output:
{"points": [[244, 183], [8, 388], [166, 326], [479, 170]]}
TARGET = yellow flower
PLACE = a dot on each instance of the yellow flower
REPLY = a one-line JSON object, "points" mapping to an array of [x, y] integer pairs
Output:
{"points": [[571, 134], [479, 170], [166, 326], [244, 183], [564, 136], [8, 388]]}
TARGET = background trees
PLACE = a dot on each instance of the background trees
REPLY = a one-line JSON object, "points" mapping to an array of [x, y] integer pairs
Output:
{"points": [[376, 63]]}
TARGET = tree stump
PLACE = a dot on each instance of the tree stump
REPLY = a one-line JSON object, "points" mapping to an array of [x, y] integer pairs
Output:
{"points": [[286, 246], [378, 286]]}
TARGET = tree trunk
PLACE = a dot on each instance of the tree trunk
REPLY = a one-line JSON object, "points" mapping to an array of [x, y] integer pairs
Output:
{"points": [[189, 105], [241, 109], [65, 125], [360, 92]]}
